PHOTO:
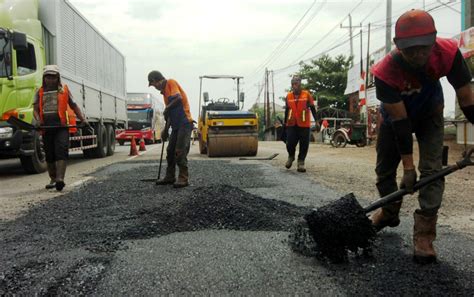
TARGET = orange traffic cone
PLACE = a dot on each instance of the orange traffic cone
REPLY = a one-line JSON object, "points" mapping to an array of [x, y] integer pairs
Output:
{"points": [[142, 145], [133, 147]]}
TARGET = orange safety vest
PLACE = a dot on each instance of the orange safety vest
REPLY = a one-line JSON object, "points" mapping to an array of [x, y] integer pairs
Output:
{"points": [[66, 114], [299, 113]]}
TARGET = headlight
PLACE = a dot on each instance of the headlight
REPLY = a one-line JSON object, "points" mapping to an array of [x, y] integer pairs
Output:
{"points": [[219, 123], [248, 123], [6, 132]]}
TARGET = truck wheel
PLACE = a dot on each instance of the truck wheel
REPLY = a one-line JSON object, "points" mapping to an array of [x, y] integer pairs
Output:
{"points": [[35, 163], [339, 140], [111, 140], [121, 142], [101, 150]]}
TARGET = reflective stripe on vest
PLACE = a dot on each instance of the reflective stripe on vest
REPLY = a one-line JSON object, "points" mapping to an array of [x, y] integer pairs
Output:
{"points": [[298, 115], [65, 113]]}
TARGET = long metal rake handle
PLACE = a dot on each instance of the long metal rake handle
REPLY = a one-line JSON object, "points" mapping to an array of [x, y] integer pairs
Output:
{"points": [[395, 196]]}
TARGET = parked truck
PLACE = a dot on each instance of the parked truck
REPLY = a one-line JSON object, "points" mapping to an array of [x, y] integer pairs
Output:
{"points": [[145, 119], [34, 33]]}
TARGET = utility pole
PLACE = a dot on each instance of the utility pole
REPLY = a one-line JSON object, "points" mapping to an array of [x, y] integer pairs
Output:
{"points": [[388, 28], [350, 27], [273, 98], [267, 93], [265, 100]]}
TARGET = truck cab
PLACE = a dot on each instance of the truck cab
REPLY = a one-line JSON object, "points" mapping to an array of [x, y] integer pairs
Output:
{"points": [[21, 63]]}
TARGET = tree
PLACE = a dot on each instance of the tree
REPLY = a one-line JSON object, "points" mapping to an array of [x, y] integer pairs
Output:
{"points": [[326, 79]]}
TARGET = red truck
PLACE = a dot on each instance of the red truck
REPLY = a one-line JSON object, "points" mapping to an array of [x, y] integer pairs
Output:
{"points": [[145, 119]]}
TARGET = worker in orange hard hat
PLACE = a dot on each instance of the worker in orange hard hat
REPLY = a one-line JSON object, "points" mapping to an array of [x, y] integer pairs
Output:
{"points": [[407, 83]]}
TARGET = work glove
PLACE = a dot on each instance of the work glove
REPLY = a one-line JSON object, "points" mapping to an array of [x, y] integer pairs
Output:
{"points": [[164, 135], [36, 123], [166, 113], [408, 180]]}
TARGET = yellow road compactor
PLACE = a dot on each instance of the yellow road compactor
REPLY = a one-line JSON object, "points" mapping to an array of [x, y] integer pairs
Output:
{"points": [[224, 130]]}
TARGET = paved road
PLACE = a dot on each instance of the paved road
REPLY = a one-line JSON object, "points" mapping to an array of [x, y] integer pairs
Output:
{"points": [[226, 234]]}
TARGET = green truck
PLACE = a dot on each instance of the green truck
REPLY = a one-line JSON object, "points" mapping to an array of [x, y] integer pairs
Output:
{"points": [[34, 33]]}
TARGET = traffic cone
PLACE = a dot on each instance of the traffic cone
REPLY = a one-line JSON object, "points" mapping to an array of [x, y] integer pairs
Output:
{"points": [[142, 145], [133, 147]]}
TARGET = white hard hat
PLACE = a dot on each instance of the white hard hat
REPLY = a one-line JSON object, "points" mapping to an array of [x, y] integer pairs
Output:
{"points": [[51, 69]]}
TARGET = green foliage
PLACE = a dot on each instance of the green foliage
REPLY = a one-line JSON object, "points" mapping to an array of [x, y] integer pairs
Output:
{"points": [[326, 79]]}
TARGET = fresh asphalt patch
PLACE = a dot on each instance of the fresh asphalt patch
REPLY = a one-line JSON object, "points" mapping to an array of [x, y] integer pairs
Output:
{"points": [[226, 233]]}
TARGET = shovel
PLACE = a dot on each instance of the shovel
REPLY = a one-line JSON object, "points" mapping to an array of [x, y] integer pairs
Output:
{"points": [[161, 159], [343, 225], [29, 127]]}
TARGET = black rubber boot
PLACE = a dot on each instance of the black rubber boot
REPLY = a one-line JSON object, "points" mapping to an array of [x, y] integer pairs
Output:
{"points": [[60, 173], [169, 178], [182, 178], [52, 175]]}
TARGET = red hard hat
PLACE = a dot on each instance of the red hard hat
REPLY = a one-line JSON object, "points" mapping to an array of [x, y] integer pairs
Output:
{"points": [[414, 27]]}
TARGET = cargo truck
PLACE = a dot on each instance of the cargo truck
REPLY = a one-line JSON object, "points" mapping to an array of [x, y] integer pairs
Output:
{"points": [[145, 119], [34, 33]]}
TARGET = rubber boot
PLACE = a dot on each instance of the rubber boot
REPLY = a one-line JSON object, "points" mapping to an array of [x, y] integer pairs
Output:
{"points": [[301, 167], [424, 233], [386, 216], [60, 173], [182, 177], [52, 175], [169, 177], [289, 162]]}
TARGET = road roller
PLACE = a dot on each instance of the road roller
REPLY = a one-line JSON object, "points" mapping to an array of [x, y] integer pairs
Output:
{"points": [[224, 129]]}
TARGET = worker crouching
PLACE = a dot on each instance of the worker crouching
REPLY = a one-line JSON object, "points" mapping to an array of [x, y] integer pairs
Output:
{"points": [[407, 83]]}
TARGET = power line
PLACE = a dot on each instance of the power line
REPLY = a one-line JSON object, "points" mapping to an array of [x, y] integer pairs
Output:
{"points": [[328, 33], [283, 41], [293, 38]]}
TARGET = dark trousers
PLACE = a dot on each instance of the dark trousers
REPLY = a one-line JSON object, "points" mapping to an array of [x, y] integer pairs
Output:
{"points": [[178, 147], [56, 144], [429, 133], [295, 135]]}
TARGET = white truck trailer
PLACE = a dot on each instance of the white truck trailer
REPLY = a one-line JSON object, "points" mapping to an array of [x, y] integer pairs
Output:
{"points": [[94, 70]]}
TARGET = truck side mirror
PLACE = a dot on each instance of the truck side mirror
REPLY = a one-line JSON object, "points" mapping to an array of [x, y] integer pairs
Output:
{"points": [[206, 96], [19, 41], [242, 97]]}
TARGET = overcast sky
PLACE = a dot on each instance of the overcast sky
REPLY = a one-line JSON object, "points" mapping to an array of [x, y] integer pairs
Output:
{"points": [[187, 39]]}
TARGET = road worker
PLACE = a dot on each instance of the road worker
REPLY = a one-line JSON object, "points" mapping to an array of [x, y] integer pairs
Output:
{"points": [[177, 114], [55, 107], [407, 83], [298, 105]]}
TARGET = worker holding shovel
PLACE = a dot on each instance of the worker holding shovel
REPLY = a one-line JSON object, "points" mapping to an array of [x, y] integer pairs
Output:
{"points": [[407, 83], [177, 114], [55, 107]]}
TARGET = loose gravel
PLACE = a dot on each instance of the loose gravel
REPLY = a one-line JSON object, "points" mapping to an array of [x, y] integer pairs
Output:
{"points": [[339, 227], [75, 244]]}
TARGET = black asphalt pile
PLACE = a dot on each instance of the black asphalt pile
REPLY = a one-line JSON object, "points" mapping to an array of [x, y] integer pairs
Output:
{"points": [[68, 245], [339, 227], [217, 207]]}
